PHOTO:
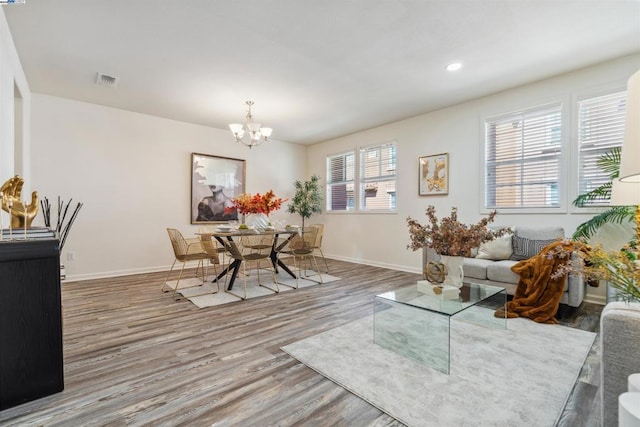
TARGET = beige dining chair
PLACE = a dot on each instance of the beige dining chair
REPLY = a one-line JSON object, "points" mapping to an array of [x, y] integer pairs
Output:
{"points": [[217, 254], [318, 244], [185, 250], [301, 250], [252, 249]]}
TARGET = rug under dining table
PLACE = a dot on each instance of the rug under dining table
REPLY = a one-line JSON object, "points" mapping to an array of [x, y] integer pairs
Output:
{"points": [[208, 294]]}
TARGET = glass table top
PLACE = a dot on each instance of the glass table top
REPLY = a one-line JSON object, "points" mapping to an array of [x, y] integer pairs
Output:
{"points": [[470, 294]]}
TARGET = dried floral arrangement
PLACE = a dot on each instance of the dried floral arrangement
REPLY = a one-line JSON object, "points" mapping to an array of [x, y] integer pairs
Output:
{"points": [[621, 269], [448, 236], [258, 203]]}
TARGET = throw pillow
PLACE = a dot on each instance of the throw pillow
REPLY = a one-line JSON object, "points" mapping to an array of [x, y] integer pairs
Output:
{"points": [[524, 248], [497, 249]]}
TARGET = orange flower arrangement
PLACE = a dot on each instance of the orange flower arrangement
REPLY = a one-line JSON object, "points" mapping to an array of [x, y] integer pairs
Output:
{"points": [[258, 203]]}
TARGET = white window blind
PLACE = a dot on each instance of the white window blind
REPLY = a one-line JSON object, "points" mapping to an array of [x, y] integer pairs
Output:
{"points": [[600, 128], [377, 178], [522, 159], [341, 182]]}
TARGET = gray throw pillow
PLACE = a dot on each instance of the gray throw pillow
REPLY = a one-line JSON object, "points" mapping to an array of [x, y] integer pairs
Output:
{"points": [[524, 248]]}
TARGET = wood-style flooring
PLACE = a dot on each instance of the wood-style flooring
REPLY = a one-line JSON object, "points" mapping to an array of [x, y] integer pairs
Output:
{"points": [[134, 356]]}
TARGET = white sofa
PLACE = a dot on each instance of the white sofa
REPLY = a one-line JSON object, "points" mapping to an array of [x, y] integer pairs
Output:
{"points": [[492, 265]]}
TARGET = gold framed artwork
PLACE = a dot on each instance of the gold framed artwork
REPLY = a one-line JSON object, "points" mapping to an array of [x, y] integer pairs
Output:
{"points": [[215, 181], [433, 175]]}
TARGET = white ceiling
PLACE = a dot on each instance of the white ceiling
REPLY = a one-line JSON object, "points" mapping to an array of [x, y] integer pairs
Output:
{"points": [[315, 69]]}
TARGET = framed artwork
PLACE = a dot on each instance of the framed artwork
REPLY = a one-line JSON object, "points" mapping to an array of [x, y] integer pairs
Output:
{"points": [[214, 182], [433, 175]]}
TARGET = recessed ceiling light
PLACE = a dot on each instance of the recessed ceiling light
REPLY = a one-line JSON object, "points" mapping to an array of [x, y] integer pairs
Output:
{"points": [[454, 66]]}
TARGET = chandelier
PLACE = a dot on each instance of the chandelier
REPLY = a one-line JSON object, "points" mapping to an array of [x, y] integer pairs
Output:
{"points": [[254, 131]]}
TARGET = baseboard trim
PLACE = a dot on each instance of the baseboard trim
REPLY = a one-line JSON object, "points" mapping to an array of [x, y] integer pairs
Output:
{"points": [[404, 268], [116, 273]]}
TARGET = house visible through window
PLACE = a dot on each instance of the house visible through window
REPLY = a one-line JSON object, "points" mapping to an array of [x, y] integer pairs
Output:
{"points": [[374, 186], [600, 128], [523, 159], [378, 177]]}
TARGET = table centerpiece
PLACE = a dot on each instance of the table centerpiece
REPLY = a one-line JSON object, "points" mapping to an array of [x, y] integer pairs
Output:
{"points": [[256, 208]]}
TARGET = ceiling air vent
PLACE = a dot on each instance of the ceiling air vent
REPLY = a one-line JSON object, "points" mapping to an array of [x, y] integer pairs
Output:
{"points": [[107, 80]]}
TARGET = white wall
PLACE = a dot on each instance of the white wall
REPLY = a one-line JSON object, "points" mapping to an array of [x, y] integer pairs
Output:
{"points": [[381, 239], [14, 142], [132, 172]]}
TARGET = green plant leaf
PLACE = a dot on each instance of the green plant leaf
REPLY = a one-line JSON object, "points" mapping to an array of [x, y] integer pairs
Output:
{"points": [[601, 193], [307, 199], [610, 162], [616, 214]]}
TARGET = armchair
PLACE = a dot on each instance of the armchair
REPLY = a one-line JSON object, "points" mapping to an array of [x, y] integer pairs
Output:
{"points": [[619, 344]]}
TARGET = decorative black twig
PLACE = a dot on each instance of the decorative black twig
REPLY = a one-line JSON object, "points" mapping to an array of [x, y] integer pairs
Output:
{"points": [[65, 231], [46, 212], [62, 229]]}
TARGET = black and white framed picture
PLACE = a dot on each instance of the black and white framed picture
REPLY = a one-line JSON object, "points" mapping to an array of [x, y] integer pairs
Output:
{"points": [[215, 181]]}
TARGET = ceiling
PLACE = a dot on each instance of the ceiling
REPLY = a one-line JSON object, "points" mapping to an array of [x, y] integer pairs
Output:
{"points": [[315, 69]]}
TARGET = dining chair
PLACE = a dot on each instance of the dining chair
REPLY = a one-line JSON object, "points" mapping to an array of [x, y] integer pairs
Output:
{"points": [[185, 250], [215, 252], [254, 249], [301, 248], [318, 244]]}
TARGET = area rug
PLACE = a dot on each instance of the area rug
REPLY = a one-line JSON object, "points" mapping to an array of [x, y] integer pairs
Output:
{"points": [[207, 295], [519, 376]]}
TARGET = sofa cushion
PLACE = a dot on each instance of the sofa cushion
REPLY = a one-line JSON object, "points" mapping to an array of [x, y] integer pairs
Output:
{"points": [[540, 233], [497, 249], [500, 271], [524, 248], [475, 268]]}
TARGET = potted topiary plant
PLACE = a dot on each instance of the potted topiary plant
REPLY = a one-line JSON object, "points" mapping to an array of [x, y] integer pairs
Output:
{"points": [[307, 200]]}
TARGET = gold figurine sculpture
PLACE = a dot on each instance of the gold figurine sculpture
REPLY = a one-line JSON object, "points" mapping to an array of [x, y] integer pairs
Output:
{"points": [[22, 214]]}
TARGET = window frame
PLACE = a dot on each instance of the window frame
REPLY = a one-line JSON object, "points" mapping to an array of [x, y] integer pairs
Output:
{"points": [[563, 160], [346, 182], [574, 188], [361, 197], [358, 180]]}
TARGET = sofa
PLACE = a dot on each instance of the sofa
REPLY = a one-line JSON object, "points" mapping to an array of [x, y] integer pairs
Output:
{"points": [[619, 344], [492, 261]]}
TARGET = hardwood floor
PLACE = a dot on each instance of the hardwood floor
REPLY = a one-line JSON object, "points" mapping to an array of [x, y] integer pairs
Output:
{"points": [[133, 356]]}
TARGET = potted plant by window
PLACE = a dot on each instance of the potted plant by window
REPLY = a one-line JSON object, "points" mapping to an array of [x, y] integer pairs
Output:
{"points": [[609, 163], [307, 200]]}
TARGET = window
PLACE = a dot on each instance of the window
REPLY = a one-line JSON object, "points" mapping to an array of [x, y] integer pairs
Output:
{"points": [[340, 182], [522, 159], [600, 128], [374, 186], [378, 177]]}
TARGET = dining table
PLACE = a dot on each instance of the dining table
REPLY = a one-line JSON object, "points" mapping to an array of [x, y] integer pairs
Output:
{"points": [[227, 238]]}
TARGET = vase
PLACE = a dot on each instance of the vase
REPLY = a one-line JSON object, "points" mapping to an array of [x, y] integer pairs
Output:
{"points": [[454, 272], [258, 221]]}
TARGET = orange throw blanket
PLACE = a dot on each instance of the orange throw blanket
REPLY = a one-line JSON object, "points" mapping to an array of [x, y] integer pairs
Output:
{"points": [[538, 295]]}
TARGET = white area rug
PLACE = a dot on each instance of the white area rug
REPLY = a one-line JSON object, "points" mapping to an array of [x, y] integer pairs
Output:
{"points": [[521, 376], [207, 295]]}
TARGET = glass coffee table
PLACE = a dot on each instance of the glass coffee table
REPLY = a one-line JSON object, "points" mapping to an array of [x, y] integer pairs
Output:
{"points": [[418, 325]]}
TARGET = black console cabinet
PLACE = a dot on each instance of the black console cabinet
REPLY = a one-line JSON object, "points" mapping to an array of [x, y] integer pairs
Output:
{"points": [[30, 321]]}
